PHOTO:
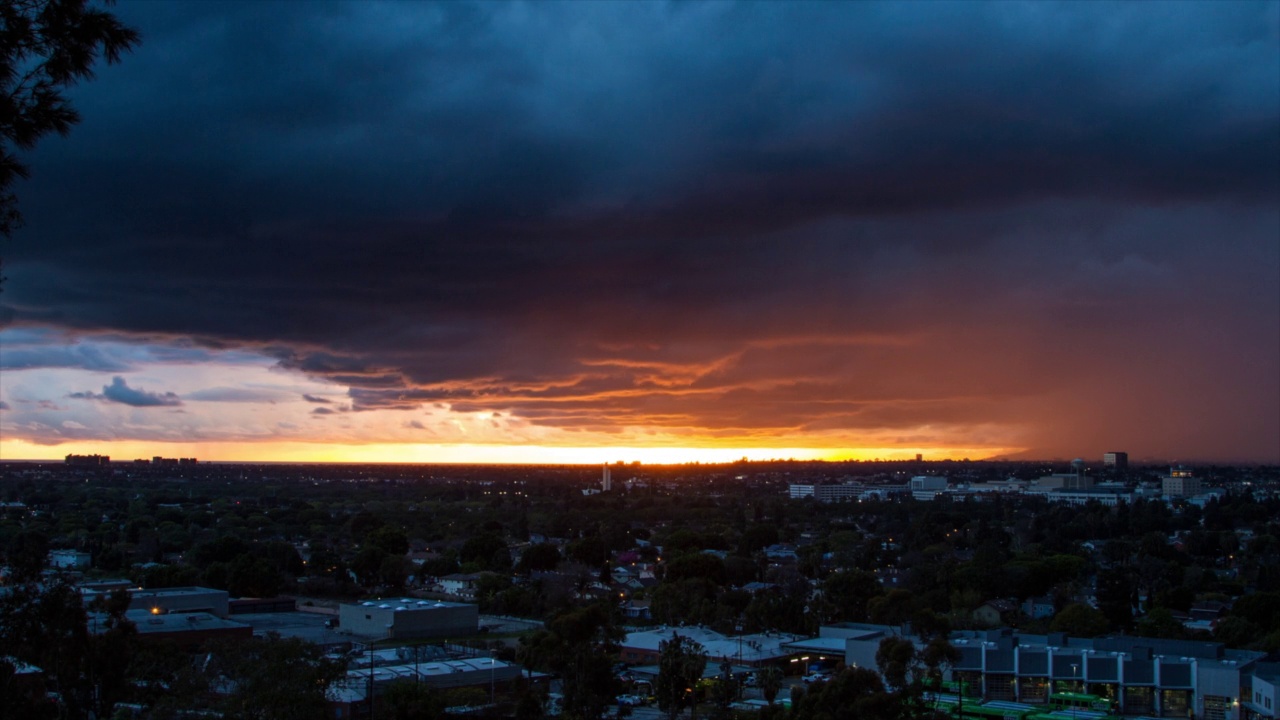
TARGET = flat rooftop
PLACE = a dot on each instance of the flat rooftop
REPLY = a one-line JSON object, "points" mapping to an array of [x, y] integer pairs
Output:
{"points": [[828, 645], [405, 604], [303, 625], [178, 622], [174, 591]]}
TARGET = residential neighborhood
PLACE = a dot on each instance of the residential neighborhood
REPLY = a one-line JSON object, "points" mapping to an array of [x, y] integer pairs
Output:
{"points": [[414, 591]]}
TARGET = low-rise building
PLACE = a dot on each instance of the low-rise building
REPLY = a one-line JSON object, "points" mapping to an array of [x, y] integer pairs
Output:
{"points": [[349, 697], [186, 628], [1261, 701], [828, 493], [637, 610], [460, 584], [69, 560], [995, 612], [643, 648], [1037, 608], [927, 487], [1108, 496], [1138, 676], [162, 601], [407, 618]]}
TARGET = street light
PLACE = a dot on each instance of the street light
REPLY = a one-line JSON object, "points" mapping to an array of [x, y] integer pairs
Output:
{"points": [[1075, 670], [372, 662], [738, 629]]}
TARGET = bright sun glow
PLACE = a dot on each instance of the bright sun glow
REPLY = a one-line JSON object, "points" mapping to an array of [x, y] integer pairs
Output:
{"points": [[461, 453]]}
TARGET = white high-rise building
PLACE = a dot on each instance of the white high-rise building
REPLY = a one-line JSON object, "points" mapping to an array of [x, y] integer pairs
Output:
{"points": [[606, 481]]}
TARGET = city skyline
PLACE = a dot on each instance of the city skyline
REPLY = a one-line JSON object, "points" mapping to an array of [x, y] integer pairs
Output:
{"points": [[664, 232]]}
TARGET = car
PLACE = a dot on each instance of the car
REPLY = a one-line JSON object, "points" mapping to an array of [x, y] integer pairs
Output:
{"points": [[816, 677], [630, 700]]}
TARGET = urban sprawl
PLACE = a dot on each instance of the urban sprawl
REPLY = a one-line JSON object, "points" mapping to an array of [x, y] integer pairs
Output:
{"points": [[172, 587]]}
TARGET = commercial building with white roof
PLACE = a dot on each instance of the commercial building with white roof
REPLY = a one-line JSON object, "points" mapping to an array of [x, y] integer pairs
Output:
{"points": [[349, 696], [644, 647], [408, 618]]}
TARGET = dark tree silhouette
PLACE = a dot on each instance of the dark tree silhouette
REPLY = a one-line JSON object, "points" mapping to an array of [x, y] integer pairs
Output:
{"points": [[680, 666], [581, 645], [46, 46]]}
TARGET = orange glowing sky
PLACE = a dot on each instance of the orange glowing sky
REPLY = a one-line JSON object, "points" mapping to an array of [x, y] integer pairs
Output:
{"points": [[445, 454], [665, 232], [242, 407]]}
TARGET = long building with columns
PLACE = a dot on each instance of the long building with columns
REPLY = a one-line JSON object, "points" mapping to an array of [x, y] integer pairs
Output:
{"points": [[1142, 676]]}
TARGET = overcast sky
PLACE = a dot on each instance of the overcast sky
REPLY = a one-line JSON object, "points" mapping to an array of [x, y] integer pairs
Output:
{"points": [[962, 229]]}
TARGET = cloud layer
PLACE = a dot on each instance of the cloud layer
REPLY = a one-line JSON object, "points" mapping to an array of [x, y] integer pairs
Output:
{"points": [[1043, 225], [120, 392]]}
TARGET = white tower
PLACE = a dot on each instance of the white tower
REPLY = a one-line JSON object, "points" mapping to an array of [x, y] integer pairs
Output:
{"points": [[606, 482]]}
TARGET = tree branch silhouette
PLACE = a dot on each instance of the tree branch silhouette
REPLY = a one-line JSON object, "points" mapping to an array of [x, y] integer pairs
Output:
{"points": [[46, 47]]}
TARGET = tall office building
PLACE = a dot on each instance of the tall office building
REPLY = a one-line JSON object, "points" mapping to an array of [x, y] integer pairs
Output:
{"points": [[606, 480], [1116, 460]]}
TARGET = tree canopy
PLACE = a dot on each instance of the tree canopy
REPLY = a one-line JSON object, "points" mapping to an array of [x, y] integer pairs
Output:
{"points": [[681, 662], [46, 46]]}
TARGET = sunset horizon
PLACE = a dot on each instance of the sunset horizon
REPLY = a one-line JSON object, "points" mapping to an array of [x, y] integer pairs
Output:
{"points": [[462, 454], [453, 231], [478, 454]]}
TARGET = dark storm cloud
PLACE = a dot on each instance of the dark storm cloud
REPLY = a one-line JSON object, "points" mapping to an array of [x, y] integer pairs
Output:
{"points": [[120, 392], [716, 217], [86, 357], [30, 349]]}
